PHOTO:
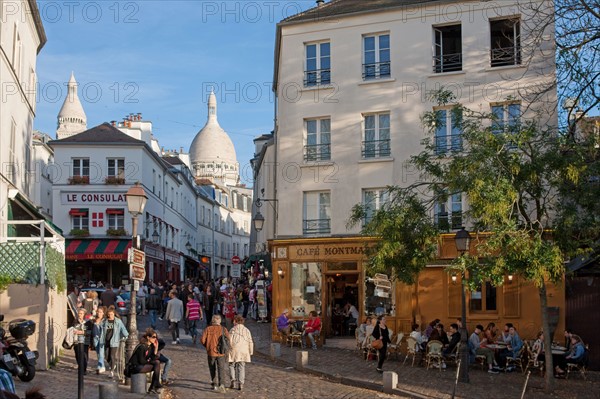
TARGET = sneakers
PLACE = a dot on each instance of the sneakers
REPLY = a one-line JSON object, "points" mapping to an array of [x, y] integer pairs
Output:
{"points": [[178, 343], [222, 388], [240, 386], [232, 385], [492, 371], [154, 390], [215, 387], [174, 343], [165, 382], [380, 370], [101, 370]]}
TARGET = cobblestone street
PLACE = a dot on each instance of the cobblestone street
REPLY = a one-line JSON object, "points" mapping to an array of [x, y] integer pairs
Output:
{"points": [[331, 373]]}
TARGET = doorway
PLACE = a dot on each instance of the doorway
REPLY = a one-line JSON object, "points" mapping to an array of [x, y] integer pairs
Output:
{"points": [[340, 289]]}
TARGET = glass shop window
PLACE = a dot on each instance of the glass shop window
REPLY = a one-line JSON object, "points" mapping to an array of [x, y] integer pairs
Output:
{"points": [[306, 288]]}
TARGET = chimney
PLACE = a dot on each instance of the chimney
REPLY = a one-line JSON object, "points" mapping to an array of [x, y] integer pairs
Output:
{"points": [[320, 3], [139, 115], [181, 150], [113, 123]]}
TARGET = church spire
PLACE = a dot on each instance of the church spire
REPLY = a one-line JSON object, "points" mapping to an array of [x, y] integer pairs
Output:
{"points": [[212, 106], [71, 118]]}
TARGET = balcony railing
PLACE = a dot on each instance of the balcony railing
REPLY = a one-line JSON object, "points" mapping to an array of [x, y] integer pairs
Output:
{"points": [[317, 77], [376, 148], [377, 70], [316, 226], [452, 143], [317, 152], [505, 56], [447, 63]]}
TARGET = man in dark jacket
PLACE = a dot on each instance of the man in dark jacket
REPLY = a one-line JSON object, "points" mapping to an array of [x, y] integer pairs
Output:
{"points": [[153, 303], [454, 340], [108, 296]]}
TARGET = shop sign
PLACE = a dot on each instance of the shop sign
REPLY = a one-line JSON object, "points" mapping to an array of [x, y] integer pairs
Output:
{"points": [[328, 251], [92, 198]]}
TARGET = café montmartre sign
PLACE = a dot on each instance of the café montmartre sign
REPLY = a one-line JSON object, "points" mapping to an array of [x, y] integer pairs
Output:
{"points": [[93, 198], [321, 251]]}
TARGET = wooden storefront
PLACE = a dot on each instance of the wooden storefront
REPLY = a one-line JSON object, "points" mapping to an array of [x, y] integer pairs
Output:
{"points": [[318, 273]]}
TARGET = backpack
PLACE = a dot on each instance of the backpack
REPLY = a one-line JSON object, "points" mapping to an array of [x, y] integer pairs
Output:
{"points": [[223, 345]]}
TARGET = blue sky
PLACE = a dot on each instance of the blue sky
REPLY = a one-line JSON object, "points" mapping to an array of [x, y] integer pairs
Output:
{"points": [[160, 58]]}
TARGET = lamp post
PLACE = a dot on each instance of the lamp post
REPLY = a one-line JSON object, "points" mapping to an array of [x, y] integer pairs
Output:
{"points": [[462, 240], [136, 201]]}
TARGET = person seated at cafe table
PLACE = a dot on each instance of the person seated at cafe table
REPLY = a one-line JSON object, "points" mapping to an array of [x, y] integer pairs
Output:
{"points": [[490, 333], [477, 347], [506, 333], [438, 334], [284, 325], [351, 316], [513, 349], [538, 348], [431, 327], [416, 334], [311, 329], [454, 340], [576, 356], [568, 335]]}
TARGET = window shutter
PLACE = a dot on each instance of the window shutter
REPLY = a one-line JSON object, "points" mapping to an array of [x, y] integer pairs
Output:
{"points": [[511, 295]]}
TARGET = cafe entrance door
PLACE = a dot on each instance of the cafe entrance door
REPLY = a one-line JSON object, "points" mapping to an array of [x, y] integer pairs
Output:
{"points": [[340, 288]]}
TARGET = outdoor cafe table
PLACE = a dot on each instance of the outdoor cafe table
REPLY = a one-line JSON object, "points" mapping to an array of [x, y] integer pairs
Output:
{"points": [[496, 346]]}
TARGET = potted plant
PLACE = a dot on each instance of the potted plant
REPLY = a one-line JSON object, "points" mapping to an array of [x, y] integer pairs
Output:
{"points": [[114, 180], [79, 180], [116, 232], [79, 232]]}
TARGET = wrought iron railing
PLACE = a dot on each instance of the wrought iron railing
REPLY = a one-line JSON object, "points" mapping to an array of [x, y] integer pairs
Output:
{"points": [[317, 77], [376, 148], [317, 152], [505, 56], [451, 143], [447, 63], [316, 226], [377, 70]]}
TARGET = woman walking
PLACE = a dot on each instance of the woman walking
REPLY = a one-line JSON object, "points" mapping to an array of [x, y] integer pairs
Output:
{"points": [[242, 347], [114, 331], [98, 337], [83, 328], [381, 332]]}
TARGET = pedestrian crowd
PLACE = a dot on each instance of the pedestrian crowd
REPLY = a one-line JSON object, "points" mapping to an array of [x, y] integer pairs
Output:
{"points": [[208, 311]]}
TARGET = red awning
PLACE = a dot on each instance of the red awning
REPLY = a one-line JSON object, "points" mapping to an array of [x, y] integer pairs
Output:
{"points": [[110, 211], [78, 212], [97, 249]]}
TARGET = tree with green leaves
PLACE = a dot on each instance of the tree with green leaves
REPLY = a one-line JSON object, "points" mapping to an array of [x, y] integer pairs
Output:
{"points": [[512, 176]]}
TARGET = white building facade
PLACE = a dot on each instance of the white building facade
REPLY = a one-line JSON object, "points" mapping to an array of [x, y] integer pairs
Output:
{"points": [[352, 80]]}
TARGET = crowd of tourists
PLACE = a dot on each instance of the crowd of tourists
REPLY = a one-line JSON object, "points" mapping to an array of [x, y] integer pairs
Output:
{"points": [[204, 310]]}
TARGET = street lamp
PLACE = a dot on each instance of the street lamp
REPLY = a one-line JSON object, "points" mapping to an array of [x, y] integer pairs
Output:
{"points": [[155, 237], [259, 221], [136, 201], [188, 246], [462, 240]]}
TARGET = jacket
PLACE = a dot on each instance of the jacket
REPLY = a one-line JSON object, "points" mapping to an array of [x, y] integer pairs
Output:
{"points": [[242, 344], [153, 302], [210, 339], [119, 332], [87, 327], [313, 325], [142, 355], [384, 334], [174, 310]]}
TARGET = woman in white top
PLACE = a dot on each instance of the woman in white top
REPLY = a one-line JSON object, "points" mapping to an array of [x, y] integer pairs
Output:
{"points": [[416, 334]]}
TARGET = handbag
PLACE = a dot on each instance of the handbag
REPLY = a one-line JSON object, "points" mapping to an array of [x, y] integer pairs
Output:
{"points": [[377, 344], [223, 345]]}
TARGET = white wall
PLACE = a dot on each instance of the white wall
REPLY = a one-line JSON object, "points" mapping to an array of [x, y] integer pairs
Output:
{"points": [[403, 96]]}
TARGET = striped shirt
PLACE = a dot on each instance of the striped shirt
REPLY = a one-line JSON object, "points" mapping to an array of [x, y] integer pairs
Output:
{"points": [[193, 307]]}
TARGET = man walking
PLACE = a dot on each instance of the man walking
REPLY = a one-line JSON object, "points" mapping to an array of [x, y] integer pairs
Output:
{"points": [[153, 306], [174, 314], [217, 362]]}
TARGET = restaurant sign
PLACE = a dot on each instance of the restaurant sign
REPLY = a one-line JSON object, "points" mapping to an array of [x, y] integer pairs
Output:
{"points": [[92, 198], [328, 251]]}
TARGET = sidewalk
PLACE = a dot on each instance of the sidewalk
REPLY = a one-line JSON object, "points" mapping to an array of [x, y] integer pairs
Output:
{"points": [[350, 368]]}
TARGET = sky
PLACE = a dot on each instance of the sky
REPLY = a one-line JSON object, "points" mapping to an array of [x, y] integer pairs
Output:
{"points": [[162, 58]]}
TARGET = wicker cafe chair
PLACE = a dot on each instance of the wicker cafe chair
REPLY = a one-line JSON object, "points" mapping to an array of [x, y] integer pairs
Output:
{"points": [[532, 360], [480, 360], [369, 349], [581, 367], [433, 355], [394, 347], [411, 349], [517, 360], [452, 357], [358, 343]]}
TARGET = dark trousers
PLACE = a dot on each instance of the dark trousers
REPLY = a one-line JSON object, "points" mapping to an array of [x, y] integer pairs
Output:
{"points": [[218, 370], [382, 355], [245, 312], [86, 350], [175, 330]]}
